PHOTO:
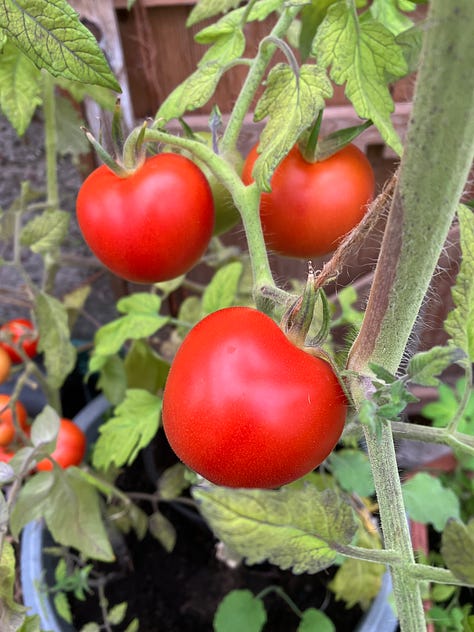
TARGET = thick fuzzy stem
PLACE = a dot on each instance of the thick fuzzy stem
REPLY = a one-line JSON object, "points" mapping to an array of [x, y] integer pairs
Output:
{"points": [[438, 154]]}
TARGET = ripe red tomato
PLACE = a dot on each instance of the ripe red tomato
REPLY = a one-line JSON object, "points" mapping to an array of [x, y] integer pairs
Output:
{"points": [[16, 330], [152, 225], [6, 455], [7, 426], [313, 205], [244, 407], [5, 365], [70, 447]]}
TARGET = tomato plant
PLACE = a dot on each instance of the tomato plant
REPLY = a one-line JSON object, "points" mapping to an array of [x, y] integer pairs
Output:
{"points": [[227, 215], [152, 225], [5, 365], [7, 426], [312, 205], [70, 447], [259, 412], [19, 331]]}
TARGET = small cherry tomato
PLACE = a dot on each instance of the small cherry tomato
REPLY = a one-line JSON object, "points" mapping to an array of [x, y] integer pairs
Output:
{"points": [[19, 331], [5, 365], [6, 455], [7, 425], [313, 205], [70, 447], [244, 407], [152, 225]]}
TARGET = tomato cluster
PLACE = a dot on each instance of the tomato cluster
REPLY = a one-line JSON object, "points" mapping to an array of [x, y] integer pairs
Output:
{"points": [[18, 333], [71, 442], [244, 407]]}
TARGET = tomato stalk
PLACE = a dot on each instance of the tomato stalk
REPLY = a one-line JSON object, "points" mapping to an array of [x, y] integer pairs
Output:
{"points": [[424, 203], [246, 199], [254, 78]]}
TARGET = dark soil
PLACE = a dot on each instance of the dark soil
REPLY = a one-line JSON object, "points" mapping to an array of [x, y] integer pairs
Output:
{"points": [[180, 591]]}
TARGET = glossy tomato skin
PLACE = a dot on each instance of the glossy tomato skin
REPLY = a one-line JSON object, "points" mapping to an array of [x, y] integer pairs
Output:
{"points": [[243, 407], [70, 448], [16, 329], [151, 226], [7, 426], [5, 365], [313, 205]]}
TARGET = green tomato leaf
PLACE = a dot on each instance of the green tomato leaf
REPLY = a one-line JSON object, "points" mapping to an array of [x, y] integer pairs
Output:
{"points": [[209, 8], [12, 612], [442, 411], [45, 428], [240, 610], [388, 13], [54, 338], [457, 549], [144, 368], [71, 509], [351, 468], [139, 302], [61, 603], [173, 481], [110, 338], [222, 289], [459, 323], [46, 231], [162, 530], [132, 427], [429, 502], [70, 138], [361, 54], [50, 33], [292, 528], [312, 15], [117, 613], [192, 93], [314, 620], [20, 88], [112, 378], [292, 103], [424, 367]]}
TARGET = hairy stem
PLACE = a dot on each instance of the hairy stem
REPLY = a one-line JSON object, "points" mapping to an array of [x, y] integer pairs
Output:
{"points": [[434, 168], [254, 78]]}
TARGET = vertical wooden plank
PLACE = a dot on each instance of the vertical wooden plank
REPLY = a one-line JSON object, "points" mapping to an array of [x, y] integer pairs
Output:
{"points": [[101, 19]]}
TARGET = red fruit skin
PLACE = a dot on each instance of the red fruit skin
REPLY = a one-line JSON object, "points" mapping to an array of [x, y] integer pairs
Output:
{"points": [[151, 226], [312, 206], [24, 329], [70, 447], [244, 407]]}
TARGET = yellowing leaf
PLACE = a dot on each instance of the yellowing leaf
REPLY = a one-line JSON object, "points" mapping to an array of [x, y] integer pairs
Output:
{"points": [[292, 528], [20, 88], [50, 33], [362, 55], [292, 103]]}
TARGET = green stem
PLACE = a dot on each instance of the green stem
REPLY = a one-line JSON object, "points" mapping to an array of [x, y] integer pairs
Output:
{"points": [[51, 141], [438, 154], [282, 594], [246, 199], [441, 436], [254, 79], [423, 572]]}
